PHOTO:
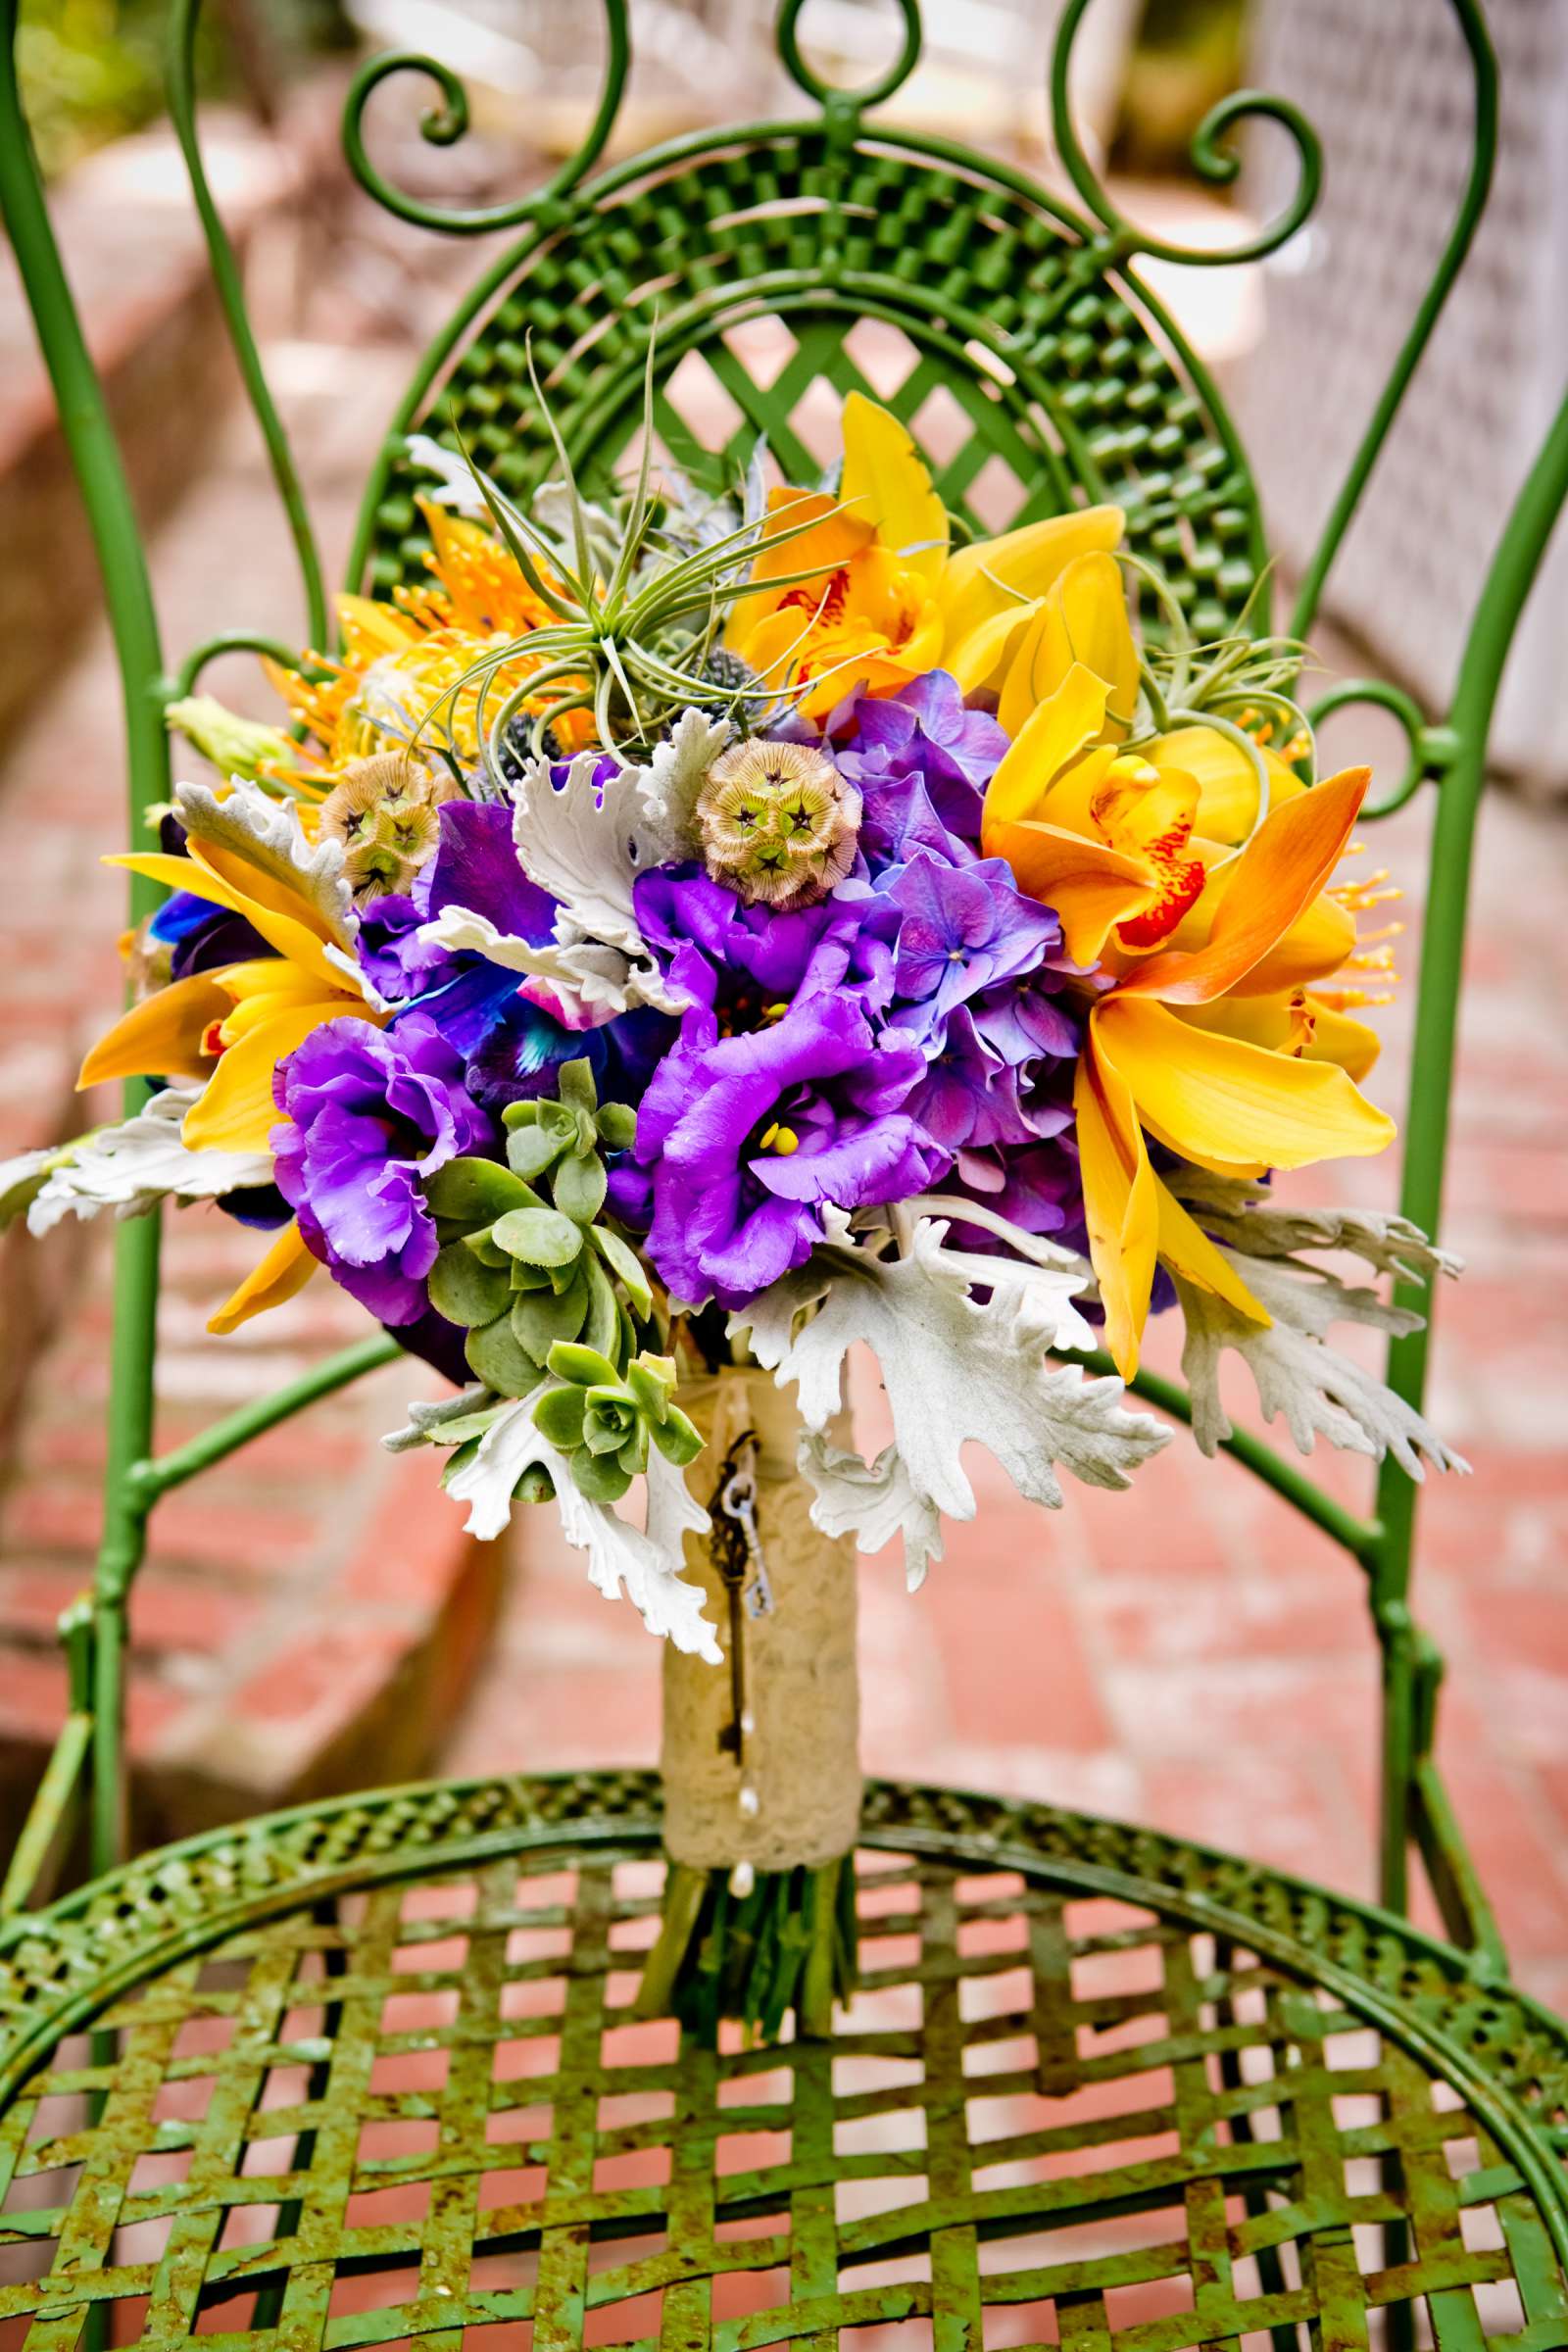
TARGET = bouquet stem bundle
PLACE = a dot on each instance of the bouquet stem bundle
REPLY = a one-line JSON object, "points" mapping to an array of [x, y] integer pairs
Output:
{"points": [[759, 1761]]}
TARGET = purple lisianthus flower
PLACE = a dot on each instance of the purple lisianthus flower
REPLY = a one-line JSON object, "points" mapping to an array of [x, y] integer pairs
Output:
{"points": [[743, 962], [963, 931], [743, 1141], [367, 1113]]}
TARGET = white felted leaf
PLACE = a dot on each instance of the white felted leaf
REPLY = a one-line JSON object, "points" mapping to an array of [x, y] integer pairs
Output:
{"points": [[21, 1178], [581, 845], [873, 1501], [953, 1369], [668, 788], [132, 1167], [589, 979], [644, 1561], [268, 834], [1249, 1217], [1316, 1391], [426, 1423]]}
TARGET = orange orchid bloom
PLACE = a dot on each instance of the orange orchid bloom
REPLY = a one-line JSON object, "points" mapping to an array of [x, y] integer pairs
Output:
{"points": [[1184, 1049], [1216, 1038], [889, 599]]}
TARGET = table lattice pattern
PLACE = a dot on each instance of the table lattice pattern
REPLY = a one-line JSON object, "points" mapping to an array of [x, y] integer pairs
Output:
{"points": [[419, 2108]]}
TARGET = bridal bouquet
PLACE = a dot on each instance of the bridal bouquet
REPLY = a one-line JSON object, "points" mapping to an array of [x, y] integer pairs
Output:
{"points": [[691, 935]]}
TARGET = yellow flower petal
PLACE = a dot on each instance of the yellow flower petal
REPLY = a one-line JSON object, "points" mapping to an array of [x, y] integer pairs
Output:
{"points": [[1188, 1251], [162, 1036], [285, 1269], [235, 1111], [290, 934], [1062, 726], [1272, 883], [1226, 780], [886, 484], [995, 575], [1088, 887], [1291, 1023], [1231, 1105], [979, 660], [833, 539], [1120, 1208], [1082, 620]]}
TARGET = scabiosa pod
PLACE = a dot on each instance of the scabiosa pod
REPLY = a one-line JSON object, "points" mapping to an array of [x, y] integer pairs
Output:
{"points": [[777, 822]]}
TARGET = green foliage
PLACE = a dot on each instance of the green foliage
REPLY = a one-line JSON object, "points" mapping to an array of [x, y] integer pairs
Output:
{"points": [[603, 1422], [550, 1294]]}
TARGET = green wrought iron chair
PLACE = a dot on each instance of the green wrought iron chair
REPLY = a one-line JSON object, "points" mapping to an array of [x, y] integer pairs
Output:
{"points": [[1104, 2088]]}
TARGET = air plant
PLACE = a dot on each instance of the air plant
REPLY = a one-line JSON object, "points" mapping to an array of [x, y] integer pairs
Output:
{"points": [[635, 638]]}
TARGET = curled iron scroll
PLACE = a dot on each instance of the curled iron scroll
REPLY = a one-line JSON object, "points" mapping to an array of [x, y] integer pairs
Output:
{"points": [[1430, 748], [874, 94], [443, 125], [1211, 159]]}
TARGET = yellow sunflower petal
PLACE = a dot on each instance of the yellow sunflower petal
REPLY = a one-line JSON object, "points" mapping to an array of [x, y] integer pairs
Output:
{"points": [[1120, 1208], [1226, 1104], [1272, 883], [162, 1036], [886, 483], [285, 1269]]}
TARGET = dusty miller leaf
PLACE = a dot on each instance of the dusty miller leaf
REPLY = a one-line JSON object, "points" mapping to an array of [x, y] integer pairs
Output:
{"points": [[589, 979], [644, 1561], [132, 1167], [873, 1501], [669, 786], [953, 1370], [1315, 1389], [1249, 1217], [580, 842], [268, 834]]}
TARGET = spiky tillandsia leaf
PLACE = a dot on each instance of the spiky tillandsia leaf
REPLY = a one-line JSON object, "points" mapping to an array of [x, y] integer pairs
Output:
{"points": [[643, 1561], [954, 1370]]}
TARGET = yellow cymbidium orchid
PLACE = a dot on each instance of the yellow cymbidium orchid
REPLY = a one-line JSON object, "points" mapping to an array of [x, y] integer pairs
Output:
{"points": [[1192, 1049], [888, 600], [1211, 1040], [232, 1027]]}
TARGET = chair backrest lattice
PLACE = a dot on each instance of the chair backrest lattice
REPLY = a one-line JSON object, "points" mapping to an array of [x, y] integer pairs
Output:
{"points": [[762, 272], [983, 318]]}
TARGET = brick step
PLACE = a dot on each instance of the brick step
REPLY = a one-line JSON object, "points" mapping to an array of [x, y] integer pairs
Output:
{"points": [[310, 1612]]}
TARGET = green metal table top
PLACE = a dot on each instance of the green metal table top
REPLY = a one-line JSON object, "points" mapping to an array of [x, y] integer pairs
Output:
{"points": [[368, 2072]]}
